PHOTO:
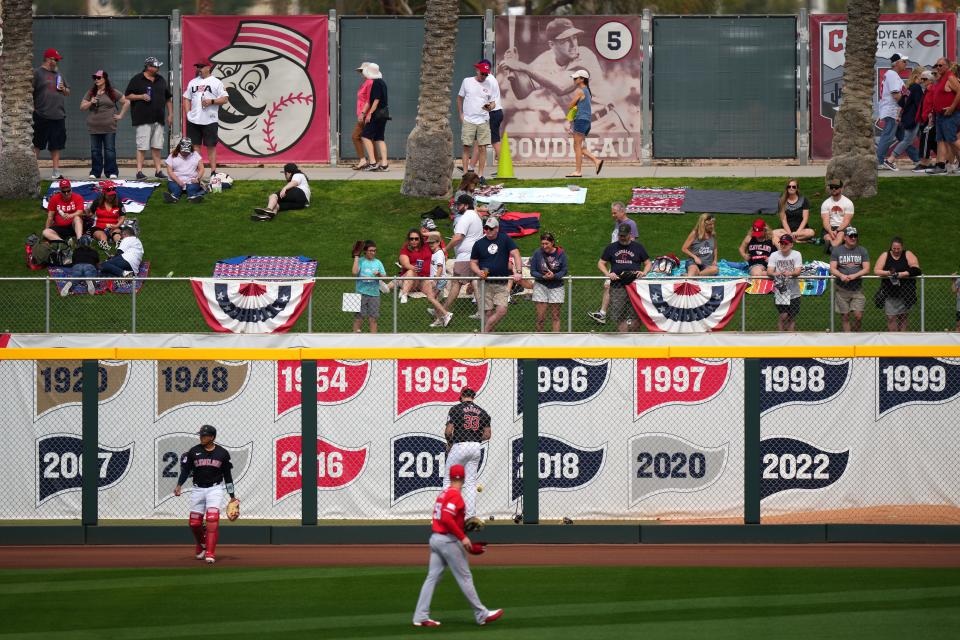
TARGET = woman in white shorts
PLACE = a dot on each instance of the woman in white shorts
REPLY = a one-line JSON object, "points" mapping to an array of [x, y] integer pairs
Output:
{"points": [[548, 266]]}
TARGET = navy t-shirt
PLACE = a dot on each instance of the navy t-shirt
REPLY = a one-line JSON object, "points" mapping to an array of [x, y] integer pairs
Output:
{"points": [[494, 255], [624, 258]]}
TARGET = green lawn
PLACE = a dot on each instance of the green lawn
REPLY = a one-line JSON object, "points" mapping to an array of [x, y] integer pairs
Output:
{"points": [[539, 602], [187, 240]]}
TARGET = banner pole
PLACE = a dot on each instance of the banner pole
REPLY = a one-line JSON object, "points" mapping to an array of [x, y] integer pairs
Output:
{"points": [[90, 467], [531, 442], [176, 73], [751, 441], [803, 75], [646, 78], [308, 442], [333, 67]]}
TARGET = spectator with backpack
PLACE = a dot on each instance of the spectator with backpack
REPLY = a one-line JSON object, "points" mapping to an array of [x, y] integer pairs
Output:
{"points": [[85, 261], [64, 215], [129, 255]]}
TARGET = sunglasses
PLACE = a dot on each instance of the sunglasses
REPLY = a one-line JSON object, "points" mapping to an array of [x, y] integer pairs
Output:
{"points": [[64, 190], [835, 186], [97, 77], [414, 238], [791, 186]]}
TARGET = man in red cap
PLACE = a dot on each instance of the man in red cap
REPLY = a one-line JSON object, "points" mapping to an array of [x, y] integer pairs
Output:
{"points": [[49, 109], [448, 547], [201, 102], [64, 215], [478, 96]]}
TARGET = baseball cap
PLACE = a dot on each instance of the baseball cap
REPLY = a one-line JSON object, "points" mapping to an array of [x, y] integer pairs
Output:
{"points": [[98, 73], [52, 53], [580, 73], [491, 223], [759, 228], [467, 392], [207, 430], [850, 231], [897, 57], [927, 74], [203, 63], [457, 472], [465, 199], [428, 224], [152, 61], [186, 144], [624, 230], [64, 184], [291, 168], [482, 66], [560, 29], [786, 238]]}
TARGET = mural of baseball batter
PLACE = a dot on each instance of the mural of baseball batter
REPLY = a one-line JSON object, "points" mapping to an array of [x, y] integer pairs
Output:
{"points": [[535, 57], [274, 70]]}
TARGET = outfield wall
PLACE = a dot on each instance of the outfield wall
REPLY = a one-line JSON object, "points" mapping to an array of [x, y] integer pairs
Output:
{"points": [[725, 430]]}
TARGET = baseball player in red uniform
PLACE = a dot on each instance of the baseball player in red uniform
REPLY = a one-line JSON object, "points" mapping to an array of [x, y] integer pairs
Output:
{"points": [[448, 547], [209, 465]]}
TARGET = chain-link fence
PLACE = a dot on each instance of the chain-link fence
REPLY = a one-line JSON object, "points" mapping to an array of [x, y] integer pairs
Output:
{"points": [[168, 305], [854, 440], [861, 440]]}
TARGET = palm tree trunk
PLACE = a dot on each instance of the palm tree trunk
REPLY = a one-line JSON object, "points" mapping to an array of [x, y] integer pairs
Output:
{"points": [[429, 164], [854, 149], [205, 7], [19, 176]]}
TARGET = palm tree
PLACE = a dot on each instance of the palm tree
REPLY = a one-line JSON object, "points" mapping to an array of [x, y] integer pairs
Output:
{"points": [[19, 176], [854, 150], [430, 144]]}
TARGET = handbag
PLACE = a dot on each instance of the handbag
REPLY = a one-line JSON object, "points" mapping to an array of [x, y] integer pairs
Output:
{"points": [[382, 113]]}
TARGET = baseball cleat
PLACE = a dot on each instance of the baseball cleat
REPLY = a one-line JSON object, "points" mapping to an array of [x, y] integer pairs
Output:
{"points": [[493, 615], [427, 623], [210, 560]]}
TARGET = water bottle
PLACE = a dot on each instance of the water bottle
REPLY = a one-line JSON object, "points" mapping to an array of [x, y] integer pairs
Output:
{"points": [[59, 82], [149, 93]]}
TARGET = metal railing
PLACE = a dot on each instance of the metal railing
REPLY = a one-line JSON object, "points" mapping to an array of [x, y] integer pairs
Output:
{"points": [[167, 305]]}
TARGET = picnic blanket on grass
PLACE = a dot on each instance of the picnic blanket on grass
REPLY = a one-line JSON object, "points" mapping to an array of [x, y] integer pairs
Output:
{"points": [[133, 194], [759, 286], [518, 224], [684, 199], [537, 195], [265, 267], [62, 276]]}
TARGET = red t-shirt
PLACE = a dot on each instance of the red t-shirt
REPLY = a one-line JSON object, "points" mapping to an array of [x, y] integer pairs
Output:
{"points": [[420, 259], [107, 215], [448, 512], [59, 206]]}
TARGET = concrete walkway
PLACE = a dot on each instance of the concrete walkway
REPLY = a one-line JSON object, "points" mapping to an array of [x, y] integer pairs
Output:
{"points": [[344, 172]]}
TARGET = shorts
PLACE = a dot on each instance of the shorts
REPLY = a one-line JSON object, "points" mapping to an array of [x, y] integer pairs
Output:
{"points": [[496, 122], [149, 136], [543, 293], [846, 301], [582, 127], [295, 199], [479, 133], [203, 498], [369, 307], [947, 127], [496, 294], [205, 134], [462, 268], [49, 134], [374, 130], [792, 310], [64, 231], [621, 308], [894, 307]]}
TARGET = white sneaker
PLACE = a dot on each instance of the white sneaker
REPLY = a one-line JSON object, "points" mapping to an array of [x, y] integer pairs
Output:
{"points": [[447, 318], [437, 323], [114, 176], [91, 177], [475, 315], [66, 289], [91, 288], [403, 298], [383, 287]]}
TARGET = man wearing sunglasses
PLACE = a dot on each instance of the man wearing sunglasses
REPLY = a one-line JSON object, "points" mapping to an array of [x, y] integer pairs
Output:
{"points": [[836, 212], [946, 98], [64, 215], [478, 96]]}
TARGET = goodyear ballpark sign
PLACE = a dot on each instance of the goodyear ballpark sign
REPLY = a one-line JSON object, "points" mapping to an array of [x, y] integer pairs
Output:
{"points": [[921, 37]]}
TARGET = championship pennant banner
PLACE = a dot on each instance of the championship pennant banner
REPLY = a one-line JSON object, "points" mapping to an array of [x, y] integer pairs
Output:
{"points": [[923, 38], [636, 439], [274, 69], [535, 57]]}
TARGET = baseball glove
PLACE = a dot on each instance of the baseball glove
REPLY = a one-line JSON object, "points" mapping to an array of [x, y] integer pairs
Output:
{"points": [[357, 248], [477, 548], [233, 509], [473, 524]]}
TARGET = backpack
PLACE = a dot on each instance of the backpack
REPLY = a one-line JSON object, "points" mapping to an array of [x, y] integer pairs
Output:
{"points": [[61, 255], [38, 253]]}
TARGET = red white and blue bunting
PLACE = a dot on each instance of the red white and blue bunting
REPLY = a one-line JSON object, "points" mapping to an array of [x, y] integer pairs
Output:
{"points": [[251, 306], [685, 306]]}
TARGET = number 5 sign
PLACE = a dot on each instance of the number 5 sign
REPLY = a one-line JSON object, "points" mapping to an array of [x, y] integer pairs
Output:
{"points": [[613, 40]]}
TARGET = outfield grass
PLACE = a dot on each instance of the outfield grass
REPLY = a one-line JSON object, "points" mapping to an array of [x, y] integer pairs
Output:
{"points": [[187, 240], [540, 602]]}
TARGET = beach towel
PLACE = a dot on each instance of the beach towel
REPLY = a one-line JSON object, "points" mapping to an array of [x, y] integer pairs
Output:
{"points": [[517, 224], [133, 194], [62, 276], [265, 267]]}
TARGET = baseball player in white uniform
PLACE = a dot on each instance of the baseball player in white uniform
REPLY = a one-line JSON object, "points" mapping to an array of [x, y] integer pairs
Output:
{"points": [[468, 426]]}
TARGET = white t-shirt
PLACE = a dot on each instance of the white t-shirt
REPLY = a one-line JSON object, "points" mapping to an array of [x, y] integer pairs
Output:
{"points": [[198, 89], [132, 252], [438, 261], [891, 82], [300, 181], [837, 209], [787, 264], [187, 169], [471, 228], [476, 94]]}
